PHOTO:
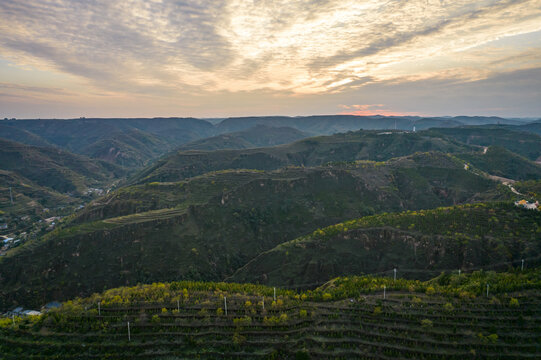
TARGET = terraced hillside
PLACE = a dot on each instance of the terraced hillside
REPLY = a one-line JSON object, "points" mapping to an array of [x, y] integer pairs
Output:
{"points": [[419, 243], [449, 317], [205, 228], [352, 146]]}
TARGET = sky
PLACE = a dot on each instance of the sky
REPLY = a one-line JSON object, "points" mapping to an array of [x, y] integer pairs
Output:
{"points": [[221, 58]]}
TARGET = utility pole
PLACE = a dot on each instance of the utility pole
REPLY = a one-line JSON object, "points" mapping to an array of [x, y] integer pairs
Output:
{"points": [[11, 195], [384, 288], [263, 303], [394, 274], [274, 294], [129, 335], [178, 305], [487, 289], [458, 272], [225, 305], [13, 319], [522, 265], [99, 309]]}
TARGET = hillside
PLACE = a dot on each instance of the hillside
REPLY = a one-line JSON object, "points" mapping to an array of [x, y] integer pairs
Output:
{"points": [[449, 317], [54, 168], [420, 244], [28, 197], [13, 133], [332, 124], [498, 161], [207, 227], [132, 148], [524, 143], [351, 146], [257, 136], [133, 142]]}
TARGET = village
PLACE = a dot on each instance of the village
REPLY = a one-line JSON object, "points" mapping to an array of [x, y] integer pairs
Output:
{"points": [[18, 230]]}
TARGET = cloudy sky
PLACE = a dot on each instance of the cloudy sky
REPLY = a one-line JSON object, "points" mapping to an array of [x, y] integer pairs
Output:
{"points": [[61, 58]]}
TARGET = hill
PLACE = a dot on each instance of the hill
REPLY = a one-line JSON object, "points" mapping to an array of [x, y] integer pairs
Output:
{"points": [[257, 136], [207, 227], [448, 317], [498, 161], [420, 244], [135, 141], [351, 146], [54, 168], [130, 149], [22, 136], [525, 144], [332, 124]]}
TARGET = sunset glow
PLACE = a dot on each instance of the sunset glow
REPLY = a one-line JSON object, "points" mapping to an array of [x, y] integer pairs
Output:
{"points": [[63, 58]]}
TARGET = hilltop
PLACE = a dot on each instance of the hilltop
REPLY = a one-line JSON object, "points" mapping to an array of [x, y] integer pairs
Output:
{"points": [[314, 151]]}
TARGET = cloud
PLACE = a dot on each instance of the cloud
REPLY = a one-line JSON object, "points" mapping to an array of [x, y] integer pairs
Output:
{"points": [[372, 109], [184, 49]]}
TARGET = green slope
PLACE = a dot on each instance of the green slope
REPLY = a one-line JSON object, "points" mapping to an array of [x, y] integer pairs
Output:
{"points": [[522, 143], [222, 220], [54, 168], [419, 243], [257, 136], [500, 162], [445, 318], [132, 148], [360, 145]]}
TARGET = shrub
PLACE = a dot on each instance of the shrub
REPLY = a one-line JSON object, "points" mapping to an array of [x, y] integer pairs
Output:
{"points": [[377, 310], [426, 323], [219, 311], [245, 320], [417, 300], [430, 290], [238, 339], [303, 313], [448, 307], [327, 297], [513, 302]]}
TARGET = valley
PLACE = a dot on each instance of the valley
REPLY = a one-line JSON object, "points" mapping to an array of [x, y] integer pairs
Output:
{"points": [[269, 206]]}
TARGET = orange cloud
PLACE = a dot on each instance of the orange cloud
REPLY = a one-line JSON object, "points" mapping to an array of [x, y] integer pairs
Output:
{"points": [[371, 110]]}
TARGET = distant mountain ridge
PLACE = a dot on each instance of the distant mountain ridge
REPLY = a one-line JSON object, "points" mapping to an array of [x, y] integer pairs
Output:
{"points": [[113, 139]]}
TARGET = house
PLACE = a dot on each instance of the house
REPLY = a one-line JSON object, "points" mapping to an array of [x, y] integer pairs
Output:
{"points": [[528, 205], [31, 313]]}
